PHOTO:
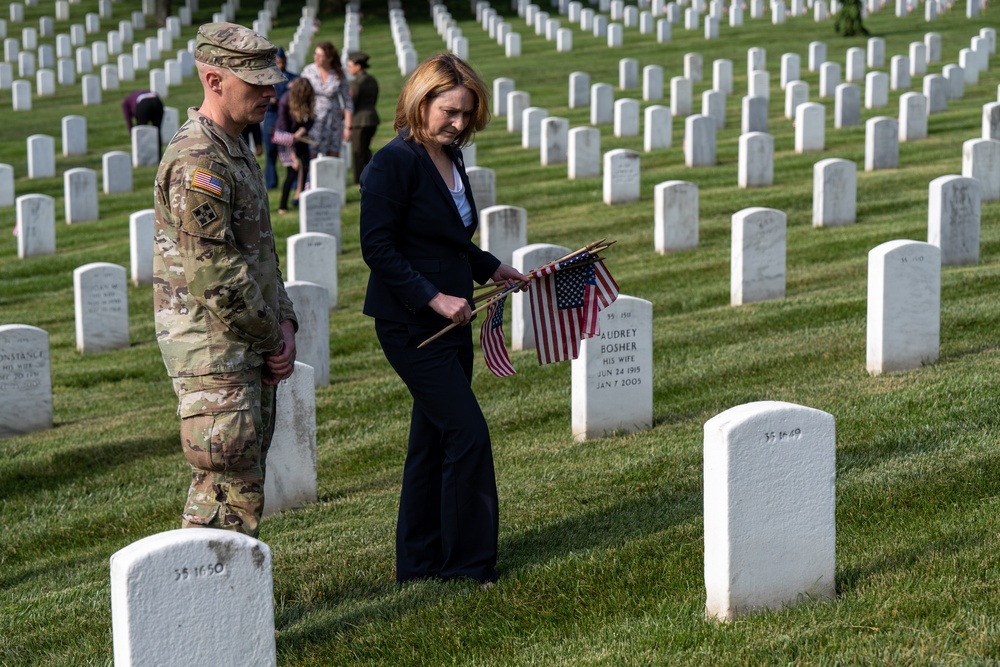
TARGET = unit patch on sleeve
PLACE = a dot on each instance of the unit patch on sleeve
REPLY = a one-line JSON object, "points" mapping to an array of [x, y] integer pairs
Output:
{"points": [[207, 181], [204, 213]]}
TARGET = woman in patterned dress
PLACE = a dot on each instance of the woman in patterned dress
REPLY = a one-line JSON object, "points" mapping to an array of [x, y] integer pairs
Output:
{"points": [[333, 100]]}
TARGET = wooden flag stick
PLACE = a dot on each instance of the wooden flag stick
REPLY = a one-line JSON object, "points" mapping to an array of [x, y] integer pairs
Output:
{"points": [[479, 309], [494, 283]]}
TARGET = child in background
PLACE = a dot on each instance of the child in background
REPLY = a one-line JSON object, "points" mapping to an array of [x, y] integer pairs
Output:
{"points": [[291, 134]]}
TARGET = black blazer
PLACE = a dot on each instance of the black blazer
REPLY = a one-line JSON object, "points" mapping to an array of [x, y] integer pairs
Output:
{"points": [[413, 238]]}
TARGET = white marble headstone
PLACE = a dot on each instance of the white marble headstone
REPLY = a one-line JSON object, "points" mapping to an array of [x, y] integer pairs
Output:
{"points": [[158, 582], [912, 117], [621, 176], [847, 106], [502, 230], [6, 185], [954, 206], [21, 95], [501, 86], [753, 114], [757, 260], [312, 341], [584, 153], [25, 380], [699, 141], [756, 160], [612, 378], [981, 161], [770, 500], [834, 192], [116, 172], [482, 181], [602, 97], [675, 216], [140, 232], [555, 137], [681, 96], [80, 195], [145, 146], [810, 127], [312, 257], [290, 481], [101, 304], [525, 259], [41, 156], [904, 306], [657, 127], [74, 135], [319, 211], [36, 225], [531, 126], [579, 91], [881, 143]]}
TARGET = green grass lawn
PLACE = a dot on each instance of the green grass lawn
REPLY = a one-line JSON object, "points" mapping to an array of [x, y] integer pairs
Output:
{"points": [[601, 556]]}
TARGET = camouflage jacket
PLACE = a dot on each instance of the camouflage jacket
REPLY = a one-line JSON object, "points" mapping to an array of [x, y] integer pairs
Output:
{"points": [[218, 294]]}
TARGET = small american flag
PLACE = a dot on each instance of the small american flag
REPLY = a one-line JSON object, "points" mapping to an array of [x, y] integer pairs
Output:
{"points": [[565, 301], [207, 181], [492, 341]]}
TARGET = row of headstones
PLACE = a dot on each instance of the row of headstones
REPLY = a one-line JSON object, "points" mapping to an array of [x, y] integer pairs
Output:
{"points": [[600, 96], [97, 54], [117, 170], [26, 390], [580, 147], [40, 148], [974, 60], [299, 49], [641, 16], [769, 536], [612, 385], [100, 289], [402, 41], [91, 85]]}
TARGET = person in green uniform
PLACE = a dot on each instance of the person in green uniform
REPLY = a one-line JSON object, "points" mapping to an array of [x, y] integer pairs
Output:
{"points": [[224, 323]]}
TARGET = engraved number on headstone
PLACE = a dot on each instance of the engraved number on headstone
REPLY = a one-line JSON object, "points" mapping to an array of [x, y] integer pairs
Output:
{"points": [[782, 436], [199, 571]]}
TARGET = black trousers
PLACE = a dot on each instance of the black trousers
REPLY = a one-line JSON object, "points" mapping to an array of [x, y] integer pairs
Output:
{"points": [[361, 149], [448, 510], [150, 112], [298, 176]]}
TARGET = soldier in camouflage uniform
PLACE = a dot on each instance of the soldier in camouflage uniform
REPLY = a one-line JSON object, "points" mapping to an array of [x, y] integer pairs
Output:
{"points": [[224, 323]]}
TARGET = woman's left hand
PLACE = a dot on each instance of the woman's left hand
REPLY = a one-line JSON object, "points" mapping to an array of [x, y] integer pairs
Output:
{"points": [[511, 276]]}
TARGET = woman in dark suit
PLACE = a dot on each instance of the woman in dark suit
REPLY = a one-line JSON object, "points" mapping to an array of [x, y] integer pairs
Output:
{"points": [[417, 221]]}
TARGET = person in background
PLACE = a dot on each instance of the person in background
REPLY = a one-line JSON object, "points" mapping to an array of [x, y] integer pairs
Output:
{"points": [[295, 118], [270, 118], [364, 120], [224, 323], [417, 221], [253, 131], [144, 107], [333, 100]]}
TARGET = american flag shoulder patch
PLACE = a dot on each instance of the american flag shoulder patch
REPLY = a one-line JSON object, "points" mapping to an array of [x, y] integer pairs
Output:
{"points": [[207, 181]]}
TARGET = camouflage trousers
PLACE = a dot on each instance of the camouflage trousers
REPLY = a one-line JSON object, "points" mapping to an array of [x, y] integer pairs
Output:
{"points": [[227, 421]]}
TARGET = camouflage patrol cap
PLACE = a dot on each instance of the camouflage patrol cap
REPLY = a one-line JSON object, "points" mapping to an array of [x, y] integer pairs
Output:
{"points": [[240, 50]]}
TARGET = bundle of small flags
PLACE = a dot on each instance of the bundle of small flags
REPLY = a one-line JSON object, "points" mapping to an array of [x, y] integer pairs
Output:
{"points": [[566, 298]]}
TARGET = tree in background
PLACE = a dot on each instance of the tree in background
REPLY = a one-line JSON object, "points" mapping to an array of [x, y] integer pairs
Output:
{"points": [[162, 12], [849, 22]]}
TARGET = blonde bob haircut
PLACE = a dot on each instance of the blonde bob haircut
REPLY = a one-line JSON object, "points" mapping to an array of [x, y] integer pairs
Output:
{"points": [[435, 76]]}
